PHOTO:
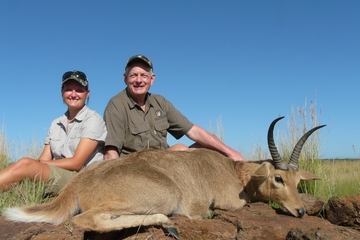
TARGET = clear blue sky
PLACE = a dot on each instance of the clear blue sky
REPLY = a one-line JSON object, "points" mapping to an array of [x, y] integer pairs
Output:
{"points": [[246, 62]]}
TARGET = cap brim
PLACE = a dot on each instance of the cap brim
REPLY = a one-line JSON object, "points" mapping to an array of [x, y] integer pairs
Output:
{"points": [[138, 60], [81, 81]]}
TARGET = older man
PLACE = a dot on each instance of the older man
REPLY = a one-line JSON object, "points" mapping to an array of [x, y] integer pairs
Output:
{"points": [[137, 119]]}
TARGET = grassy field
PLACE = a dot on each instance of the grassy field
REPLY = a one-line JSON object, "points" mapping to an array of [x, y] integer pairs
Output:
{"points": [[339, 177]]}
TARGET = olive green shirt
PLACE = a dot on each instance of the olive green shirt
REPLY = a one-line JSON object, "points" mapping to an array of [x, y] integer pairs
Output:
{"points": [[130, 129]]}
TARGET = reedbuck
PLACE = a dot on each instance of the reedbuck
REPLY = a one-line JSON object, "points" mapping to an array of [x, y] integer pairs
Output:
{"points": [[145, 187]]}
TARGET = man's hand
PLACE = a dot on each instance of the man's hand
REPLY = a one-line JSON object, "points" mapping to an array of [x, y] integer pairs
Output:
{"points": [[111, 153]]}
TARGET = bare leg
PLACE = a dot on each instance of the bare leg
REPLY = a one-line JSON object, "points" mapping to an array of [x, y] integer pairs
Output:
{"points": [[103, 220], [25, 167]]}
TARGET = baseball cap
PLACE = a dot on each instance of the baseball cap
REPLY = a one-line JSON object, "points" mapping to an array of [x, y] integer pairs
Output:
{"points": [[139, 58], [78, 76]]}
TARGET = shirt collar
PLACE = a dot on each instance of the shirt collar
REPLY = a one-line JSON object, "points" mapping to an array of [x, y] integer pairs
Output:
{"points": [[132, 103], [80, 116]]}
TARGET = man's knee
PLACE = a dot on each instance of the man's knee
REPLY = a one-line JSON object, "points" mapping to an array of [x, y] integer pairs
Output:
{"points": [[178, 147]]}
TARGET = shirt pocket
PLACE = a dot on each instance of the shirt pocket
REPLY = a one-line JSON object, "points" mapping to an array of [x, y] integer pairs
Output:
{"points": [[56, 144], [161, 126], [138, 137], [73, 143]]}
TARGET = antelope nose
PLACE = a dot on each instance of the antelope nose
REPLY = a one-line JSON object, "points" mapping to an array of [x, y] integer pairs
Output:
{"points": [[301, 212]]}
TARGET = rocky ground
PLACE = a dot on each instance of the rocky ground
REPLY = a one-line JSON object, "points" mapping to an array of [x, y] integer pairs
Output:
{"points": [[254, 221]]}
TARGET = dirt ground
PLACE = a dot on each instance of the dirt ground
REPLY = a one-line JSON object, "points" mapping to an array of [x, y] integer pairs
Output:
{"points": [[254, 221]]}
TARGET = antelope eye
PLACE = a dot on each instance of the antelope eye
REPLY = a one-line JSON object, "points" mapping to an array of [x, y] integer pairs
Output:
{"points": [[279, 179]]}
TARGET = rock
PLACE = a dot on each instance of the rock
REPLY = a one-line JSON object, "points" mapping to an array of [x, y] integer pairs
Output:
{"points": [[299, 234], [253, 221], [343, 211], [313, 205]]}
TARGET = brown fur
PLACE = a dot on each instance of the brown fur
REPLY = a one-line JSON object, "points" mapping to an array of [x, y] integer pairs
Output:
{"points": [[145, 187]]}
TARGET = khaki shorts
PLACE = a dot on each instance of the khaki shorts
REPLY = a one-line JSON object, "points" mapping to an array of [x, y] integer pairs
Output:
{"points": [[59, 178]]}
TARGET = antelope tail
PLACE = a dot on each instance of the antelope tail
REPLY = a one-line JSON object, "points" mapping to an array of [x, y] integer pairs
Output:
{"points": [[56, 212]]}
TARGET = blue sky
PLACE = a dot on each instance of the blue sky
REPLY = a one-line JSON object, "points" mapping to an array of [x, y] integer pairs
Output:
{"points": [[244, 62]]}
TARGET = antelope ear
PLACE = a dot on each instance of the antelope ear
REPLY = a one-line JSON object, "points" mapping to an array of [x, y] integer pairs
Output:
{"points": [[306, 176], [262, 172]]}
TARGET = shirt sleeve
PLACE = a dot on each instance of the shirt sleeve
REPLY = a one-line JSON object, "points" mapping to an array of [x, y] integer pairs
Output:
{"points": [[52, 131], [179, 124], [113, 116], [94, 127], [47, 138]]}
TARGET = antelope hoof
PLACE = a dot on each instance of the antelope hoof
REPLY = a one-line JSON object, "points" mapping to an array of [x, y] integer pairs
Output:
{"points": [[173, 232]]}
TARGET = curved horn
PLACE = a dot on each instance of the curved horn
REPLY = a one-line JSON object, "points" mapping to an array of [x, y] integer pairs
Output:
{"points": [[294, 159], [279, 162]]}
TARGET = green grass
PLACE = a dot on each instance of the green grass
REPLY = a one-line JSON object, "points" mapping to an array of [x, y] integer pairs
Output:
{"points": [[339, 178]]}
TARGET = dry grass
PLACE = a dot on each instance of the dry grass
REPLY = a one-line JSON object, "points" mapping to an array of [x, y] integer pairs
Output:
{"points": [[4, 151], [27, 192]]}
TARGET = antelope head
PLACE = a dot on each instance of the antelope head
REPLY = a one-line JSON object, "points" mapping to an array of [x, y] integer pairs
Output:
{"points": [[277, 180]]}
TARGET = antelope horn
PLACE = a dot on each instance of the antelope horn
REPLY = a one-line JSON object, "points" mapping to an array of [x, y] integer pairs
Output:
{"points": [[279, 162], [294, 159]]}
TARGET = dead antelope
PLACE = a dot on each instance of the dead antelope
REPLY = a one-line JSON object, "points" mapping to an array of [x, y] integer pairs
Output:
{"points": [[145, 187]]}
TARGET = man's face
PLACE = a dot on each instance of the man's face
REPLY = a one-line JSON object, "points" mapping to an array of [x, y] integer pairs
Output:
{"points": [[139, 79]]}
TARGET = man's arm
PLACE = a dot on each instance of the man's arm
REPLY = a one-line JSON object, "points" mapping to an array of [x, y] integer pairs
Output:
{"points": [[208, 140]]}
